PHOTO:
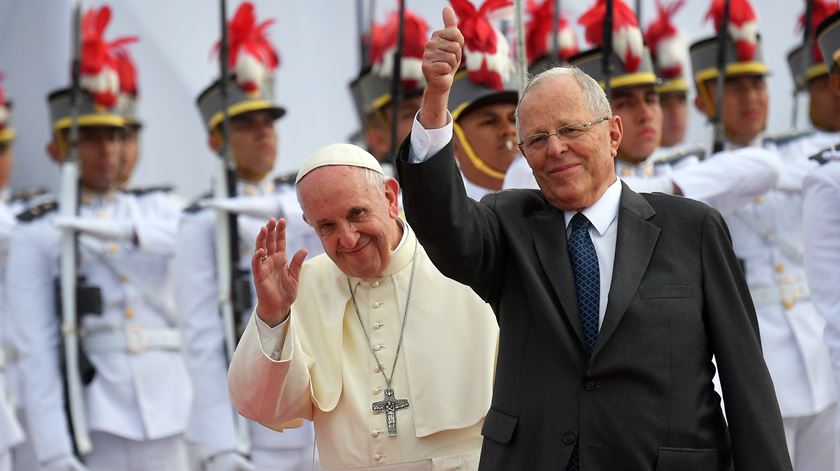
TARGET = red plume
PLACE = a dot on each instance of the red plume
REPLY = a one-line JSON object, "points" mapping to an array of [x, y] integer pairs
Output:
{"points": [[742, 26], [663, 27], [3, 99], [248, 43], [539, 29], [479, 34], [127, 72], [384, 36], [663, 38], [822, 10], [627, 37], [98, 62]]}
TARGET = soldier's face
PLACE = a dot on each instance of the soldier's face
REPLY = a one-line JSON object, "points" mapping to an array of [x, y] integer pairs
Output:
{"points": [[378, 127], [491, 131], [642, 118], [6, 161], [100, 150], [355, 221], [674, 117], [130, 153], [745, 104], [253, 141]]}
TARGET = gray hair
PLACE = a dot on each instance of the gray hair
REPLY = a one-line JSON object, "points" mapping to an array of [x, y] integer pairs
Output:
{"points": [[594, 96], [373, 179]]}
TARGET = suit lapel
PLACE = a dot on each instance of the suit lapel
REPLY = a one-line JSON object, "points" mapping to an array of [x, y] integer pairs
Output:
{"points": [[635, 241], [549, 232]]}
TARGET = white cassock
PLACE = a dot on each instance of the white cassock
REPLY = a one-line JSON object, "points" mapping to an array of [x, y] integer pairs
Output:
{"points": [[318, 366]]}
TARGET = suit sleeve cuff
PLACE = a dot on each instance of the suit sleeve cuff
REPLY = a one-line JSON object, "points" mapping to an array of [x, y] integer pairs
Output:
{"points": [[428, 142]]}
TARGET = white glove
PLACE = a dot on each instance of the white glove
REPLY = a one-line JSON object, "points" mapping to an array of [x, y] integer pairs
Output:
{"points": [[101, 229], [262, 207], [65, 463], [228, 461]]}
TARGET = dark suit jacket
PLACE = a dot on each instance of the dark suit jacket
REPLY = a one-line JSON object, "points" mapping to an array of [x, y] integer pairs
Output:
{"points": [[644, 400]]}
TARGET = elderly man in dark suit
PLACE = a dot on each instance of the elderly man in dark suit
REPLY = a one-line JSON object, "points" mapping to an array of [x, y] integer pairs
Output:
{"points": [[610, 303]]}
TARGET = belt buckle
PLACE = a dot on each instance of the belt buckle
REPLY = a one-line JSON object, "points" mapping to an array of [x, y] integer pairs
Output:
{"points": [[135, 338]]}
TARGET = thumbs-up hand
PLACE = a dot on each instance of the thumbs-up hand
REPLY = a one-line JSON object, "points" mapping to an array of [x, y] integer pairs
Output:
{"points": [[441, 59]]}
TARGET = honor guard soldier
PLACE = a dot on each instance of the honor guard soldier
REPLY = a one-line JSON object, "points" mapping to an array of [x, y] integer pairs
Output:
{"points": [[767, 236], [161, 206], [725, 183], [133, 380], [11, 434], [483, 101], [225, 440], [669, 50], [373, 87], [540, 40], [821, 224], [810, 74]]}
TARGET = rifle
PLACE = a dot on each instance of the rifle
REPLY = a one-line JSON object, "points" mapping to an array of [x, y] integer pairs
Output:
{"points": [[818, 157], [233, 284], [807, 40], [521, 54], [72, 356], [606, 57], [722, 43], [396, 82]]}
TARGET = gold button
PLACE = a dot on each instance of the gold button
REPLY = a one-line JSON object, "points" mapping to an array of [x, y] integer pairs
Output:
{"points": [[123, 279], [788, 304], [129, 313], [759, 199], [780, 267]]}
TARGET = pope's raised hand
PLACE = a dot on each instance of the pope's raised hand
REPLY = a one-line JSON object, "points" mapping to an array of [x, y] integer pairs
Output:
{"points": [[442, 54], [275, 276]]}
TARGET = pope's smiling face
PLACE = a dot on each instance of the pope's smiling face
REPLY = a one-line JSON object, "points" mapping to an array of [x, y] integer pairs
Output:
{"points": [[354, 216]]}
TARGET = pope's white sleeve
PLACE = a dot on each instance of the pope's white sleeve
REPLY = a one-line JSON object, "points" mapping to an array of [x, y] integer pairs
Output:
{"points": [[271, 392], [730, 179]]}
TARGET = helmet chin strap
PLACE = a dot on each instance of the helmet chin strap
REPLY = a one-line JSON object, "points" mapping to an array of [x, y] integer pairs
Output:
{"points": [[479, 164]]}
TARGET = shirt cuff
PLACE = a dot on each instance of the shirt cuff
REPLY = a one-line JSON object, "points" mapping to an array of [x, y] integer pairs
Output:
{"points": [[272, 338], [428, 142]]}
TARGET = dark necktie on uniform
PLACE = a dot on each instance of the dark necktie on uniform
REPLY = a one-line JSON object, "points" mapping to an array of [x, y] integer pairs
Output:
{"points": [[588, 289]]}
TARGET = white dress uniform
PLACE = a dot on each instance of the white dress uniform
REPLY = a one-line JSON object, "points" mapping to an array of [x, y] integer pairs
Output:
{"points": [[767, 237], [11, 433], [135, 402], [821, 226], [212, 425]]}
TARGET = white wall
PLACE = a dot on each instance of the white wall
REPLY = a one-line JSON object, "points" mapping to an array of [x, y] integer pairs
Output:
{"points": [[317, 43]]}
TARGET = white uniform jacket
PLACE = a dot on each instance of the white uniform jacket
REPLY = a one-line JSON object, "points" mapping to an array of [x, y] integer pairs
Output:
{"points": [[136, 395]]}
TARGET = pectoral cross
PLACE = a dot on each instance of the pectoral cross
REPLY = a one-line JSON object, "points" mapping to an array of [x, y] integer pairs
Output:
{"points": [[390, 406]]}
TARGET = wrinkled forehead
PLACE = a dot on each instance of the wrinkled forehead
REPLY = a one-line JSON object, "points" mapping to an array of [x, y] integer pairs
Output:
{"points": [[551, 102], [335, 185]]}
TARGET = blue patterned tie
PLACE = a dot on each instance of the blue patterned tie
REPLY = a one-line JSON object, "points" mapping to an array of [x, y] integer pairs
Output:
{"points": [[588, 288], [587, 278]]}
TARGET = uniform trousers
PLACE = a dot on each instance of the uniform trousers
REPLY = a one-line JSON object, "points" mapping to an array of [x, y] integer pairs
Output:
{"points": [[23, 454], [813, 441], [111, 452]]}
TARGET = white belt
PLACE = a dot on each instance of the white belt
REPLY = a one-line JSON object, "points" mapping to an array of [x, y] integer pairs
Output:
{"points": [[133, 338], [788, 292]]}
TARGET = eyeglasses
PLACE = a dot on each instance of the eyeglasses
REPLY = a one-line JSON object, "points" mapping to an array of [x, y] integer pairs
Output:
{"points": [[571, 131]]}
